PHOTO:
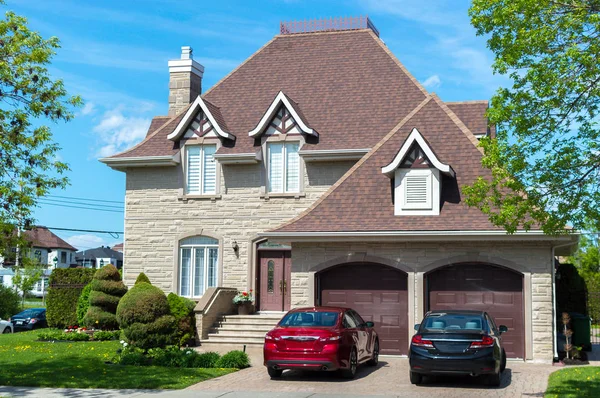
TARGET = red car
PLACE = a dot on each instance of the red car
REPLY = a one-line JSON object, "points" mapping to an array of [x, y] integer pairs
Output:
{"points": [[321, 338]]}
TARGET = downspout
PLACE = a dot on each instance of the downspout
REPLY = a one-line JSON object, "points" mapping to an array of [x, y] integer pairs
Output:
{"points": [[554, 331]]}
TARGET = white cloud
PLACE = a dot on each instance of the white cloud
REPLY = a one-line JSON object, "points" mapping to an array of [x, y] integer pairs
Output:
{"points": [[85, 241], [88, 108], [432, 82], [117, 132]]}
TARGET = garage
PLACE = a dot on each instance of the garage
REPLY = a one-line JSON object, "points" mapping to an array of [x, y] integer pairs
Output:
{"points": [[484, 287], [377, 292]]}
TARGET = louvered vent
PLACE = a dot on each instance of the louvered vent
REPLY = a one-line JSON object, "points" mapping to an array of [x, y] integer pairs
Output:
{"points": [[416, 190]]}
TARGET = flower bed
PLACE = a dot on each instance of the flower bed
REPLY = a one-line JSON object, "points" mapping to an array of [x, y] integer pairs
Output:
{"points": [[75, 333]]}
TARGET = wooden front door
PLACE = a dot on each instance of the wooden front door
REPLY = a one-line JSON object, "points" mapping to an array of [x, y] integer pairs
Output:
{"points": [[275, 280]]}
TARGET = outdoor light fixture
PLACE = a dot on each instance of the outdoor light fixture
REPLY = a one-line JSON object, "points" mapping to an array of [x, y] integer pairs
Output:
{"points": [[235, 246]]}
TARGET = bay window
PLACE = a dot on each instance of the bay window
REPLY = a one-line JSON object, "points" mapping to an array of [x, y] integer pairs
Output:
{"points": [[284, 167], [198, 265], [201, 169]]}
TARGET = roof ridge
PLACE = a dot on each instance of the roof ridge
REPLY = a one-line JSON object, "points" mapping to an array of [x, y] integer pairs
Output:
{"points": [[323, 32], [171, 118], [461, 125], [351, 171], [467, 102], [398, 63], [239, 66]]}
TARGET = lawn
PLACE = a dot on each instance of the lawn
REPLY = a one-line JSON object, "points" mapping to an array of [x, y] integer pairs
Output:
{"points": [[34, 302], [575, 382], [27, 362]]}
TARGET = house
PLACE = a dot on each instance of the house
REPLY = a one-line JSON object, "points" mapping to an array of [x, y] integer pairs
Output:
{"points": [[99, 257], [321, 172], [118, 247]]}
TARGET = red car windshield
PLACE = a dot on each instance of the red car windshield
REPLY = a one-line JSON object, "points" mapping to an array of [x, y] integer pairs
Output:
{"points": [[316, 319]]}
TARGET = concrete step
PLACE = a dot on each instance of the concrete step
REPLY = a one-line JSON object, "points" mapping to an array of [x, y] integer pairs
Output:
{"points": [[235, 337], [238, 331], [252, 318], [243, 323]]}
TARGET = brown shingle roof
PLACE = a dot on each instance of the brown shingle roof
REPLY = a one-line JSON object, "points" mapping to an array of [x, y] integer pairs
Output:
{"points": [[43, 237], [156, 122], [362, 199], [472, 113]]}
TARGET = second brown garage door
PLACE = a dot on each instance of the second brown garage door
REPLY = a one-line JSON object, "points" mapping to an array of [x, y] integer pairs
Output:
{"points": [[378, 293], [483, 287]]}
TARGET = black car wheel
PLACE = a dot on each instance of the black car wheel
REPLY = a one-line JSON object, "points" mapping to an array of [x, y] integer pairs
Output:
{"points": [[274, 373], [503, 362], [415, 378], [6, 331], [494, 379], [375, 359], [352, 365]]}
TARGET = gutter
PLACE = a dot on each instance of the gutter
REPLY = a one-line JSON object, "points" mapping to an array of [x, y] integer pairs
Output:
{"points": [[333, 154], [555, 331], [141, 161], [237, 158]]}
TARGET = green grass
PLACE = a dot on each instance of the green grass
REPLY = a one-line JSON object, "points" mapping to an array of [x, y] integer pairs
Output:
{"points": [[33, 302], [27, 362], [574, 382]]}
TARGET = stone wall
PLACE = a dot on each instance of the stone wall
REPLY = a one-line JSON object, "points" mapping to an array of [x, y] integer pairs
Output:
{"points": [[533, 260], [157, 216]]}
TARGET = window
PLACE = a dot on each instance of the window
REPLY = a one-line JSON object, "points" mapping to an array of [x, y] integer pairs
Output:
{"points": [[201, 169], [63, 257], [270, 276], [37, 255], [198, 265], [349, 322], [284, 167]]}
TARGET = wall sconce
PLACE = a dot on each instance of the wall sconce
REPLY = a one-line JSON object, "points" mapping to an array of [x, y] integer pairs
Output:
{"points": [[235, 247]]}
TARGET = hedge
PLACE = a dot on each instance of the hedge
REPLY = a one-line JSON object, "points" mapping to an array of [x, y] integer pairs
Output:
{"points": [[65, 288]]}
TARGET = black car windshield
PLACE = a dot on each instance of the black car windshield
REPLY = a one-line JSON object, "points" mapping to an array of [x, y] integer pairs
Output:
{"points": [[442, 322], [29, 313], [310, 319]]}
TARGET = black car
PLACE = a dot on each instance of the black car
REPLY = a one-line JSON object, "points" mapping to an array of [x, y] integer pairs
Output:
{"points": [[32, 318], [457, 342]]}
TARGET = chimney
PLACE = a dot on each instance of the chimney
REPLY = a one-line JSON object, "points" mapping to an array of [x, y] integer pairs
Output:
{"points": [[185, 80]]}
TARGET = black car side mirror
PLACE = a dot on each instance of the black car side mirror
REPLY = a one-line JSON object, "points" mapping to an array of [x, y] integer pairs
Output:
{"points": [[417, 326], [502, 329], [370, 324]]}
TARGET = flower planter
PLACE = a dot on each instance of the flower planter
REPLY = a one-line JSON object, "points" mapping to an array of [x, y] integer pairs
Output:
{"points": [[245, 308]]}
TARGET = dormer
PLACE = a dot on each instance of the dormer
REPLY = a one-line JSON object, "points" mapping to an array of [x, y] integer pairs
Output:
{"points": [[282, 117], [202, 119], [417, 174]]}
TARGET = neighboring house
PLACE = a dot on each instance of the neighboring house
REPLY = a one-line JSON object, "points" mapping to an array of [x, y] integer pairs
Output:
{"points": [[6, 276], [118, 247], [320, 171], [99, 257]]}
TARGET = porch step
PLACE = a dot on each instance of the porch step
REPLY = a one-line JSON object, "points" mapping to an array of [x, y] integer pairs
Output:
{"points": [[240, 330], [252, 318], [236, 338], [246, 331]]}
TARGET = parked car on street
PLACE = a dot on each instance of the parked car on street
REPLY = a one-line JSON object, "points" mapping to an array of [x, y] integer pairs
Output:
{"points": [[457, 342], [321, 338], [29, 319], [5, 327]]}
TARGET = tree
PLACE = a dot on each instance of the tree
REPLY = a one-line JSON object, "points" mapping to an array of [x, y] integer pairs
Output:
{"points": [[545, 161], [26, 276], [28, 96]]}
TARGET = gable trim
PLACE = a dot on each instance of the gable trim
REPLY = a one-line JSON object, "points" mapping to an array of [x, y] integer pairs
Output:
{"points": [[198, 104], [413, 137], [280, 99]]}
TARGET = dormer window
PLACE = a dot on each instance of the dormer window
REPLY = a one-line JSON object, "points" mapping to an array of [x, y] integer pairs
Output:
{"points": [[417, 174], [200, 169], [284, 167]]}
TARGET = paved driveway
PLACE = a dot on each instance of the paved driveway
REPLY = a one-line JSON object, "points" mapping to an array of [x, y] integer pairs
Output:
{"points": [[389, 378]]}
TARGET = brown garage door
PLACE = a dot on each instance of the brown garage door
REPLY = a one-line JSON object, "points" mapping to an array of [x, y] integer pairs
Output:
{"points": [[378, 293], [483, 287]]}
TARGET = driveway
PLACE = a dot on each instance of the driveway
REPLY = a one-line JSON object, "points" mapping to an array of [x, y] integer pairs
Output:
{"points": [[390, 378]]}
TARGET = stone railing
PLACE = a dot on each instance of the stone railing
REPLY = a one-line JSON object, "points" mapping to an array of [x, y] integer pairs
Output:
{"points": [[216, 301]]}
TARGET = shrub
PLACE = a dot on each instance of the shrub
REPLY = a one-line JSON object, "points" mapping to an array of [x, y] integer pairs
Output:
{"points": [[105, 335], [205, 360], [132, 356], [182, 310], [234, 359], [107, 288], [144, 316], [83, 303], [9, 302], [63, 295], [142, 278], [58, 335]]}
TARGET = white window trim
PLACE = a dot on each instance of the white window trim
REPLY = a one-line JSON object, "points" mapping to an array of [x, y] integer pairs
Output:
{"points": [[284, 168], [400, 206], [201, 183], [193, 267]]}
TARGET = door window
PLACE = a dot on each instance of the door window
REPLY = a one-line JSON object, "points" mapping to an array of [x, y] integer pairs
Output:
{"points": [[357, 318], [349, 322]]}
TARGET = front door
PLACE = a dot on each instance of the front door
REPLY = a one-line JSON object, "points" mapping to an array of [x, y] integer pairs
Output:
{"points": [[275, 280]]}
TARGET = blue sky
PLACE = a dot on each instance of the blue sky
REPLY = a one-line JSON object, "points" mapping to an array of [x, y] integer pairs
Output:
{"points": [[114, 54]]}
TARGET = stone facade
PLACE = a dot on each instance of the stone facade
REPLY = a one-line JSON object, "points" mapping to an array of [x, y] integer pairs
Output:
{"points": [[533, 260], [158, 215], [184, 87]]}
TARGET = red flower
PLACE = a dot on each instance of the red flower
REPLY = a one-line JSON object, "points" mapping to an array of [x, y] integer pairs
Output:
{"points": [[244, 294]]}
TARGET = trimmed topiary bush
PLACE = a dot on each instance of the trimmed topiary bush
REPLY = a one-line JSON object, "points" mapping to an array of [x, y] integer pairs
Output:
{"points": [[234, 359], [9, 302], [65, 288], [182, 310], [83, 304], [142, 278], [144, 316], [107, 288]]}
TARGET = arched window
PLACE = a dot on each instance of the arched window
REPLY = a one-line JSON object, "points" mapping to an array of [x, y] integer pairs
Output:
{"points": [[198, 265]]}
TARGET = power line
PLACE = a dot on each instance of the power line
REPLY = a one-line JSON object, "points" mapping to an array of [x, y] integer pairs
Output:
{"points": [[69, 202], [85, 199], [80, 207], [85, 230]]}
